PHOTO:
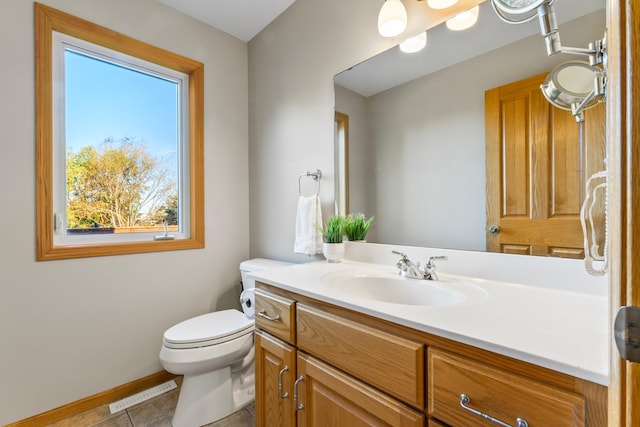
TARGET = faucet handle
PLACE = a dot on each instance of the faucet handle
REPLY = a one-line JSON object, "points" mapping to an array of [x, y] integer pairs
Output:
{"points": [[400, 253], [402, 264], [431, 264], [430, 268]]}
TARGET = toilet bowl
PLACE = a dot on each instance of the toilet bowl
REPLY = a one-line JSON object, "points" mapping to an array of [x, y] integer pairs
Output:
{"points": [[215, 353]]}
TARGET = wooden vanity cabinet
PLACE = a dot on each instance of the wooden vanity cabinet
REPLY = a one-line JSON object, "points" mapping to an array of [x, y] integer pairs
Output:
{"points": [[348, 369], [295, 388]]}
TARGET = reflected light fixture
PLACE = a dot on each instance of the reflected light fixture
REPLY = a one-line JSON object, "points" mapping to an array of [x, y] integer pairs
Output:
{"points": [[392, 19], [464, 20], [575, 86], [414, 44], [441, 4]]}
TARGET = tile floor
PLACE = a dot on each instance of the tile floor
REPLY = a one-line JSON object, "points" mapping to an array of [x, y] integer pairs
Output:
{"points": [[156, 412]]}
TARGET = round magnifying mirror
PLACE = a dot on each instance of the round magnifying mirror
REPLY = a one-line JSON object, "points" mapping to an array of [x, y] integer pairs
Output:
{"points": [[517, 7], [512, 11], [571, 83]]}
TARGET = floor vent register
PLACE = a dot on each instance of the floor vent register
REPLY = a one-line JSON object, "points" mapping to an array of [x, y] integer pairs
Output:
{"points": [[128, 402]]}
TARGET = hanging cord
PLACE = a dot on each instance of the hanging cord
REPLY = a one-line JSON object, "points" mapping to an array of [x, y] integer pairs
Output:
{"points": [[591, 252]]}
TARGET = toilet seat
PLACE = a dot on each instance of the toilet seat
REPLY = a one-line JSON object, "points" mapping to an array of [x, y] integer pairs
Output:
{"points": [[208, 329]]}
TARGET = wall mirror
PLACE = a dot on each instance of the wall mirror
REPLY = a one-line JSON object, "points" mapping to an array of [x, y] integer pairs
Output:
{"points": [[418, 125]]}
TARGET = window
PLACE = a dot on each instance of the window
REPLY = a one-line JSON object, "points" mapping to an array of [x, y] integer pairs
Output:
{"points": [[119, 143]]}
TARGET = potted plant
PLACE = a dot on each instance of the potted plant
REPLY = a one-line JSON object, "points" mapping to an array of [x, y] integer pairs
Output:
{"points": [[356, 227], [333, 232]]}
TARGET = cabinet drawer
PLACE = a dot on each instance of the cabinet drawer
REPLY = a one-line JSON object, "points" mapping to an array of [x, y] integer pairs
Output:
{"points": [[276, 315], [497, 393], [390, 363]]}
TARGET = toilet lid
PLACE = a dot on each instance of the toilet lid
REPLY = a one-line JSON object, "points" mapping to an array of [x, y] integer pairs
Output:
{"points": [[208, 329]]}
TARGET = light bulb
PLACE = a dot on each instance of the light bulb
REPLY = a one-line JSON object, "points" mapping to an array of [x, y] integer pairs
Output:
{"points": [[414, 44], [441, 4], [464, 20], [392, 19]]}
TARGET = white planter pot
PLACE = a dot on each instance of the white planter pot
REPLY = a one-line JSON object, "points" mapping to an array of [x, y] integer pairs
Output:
{"points": [[333, 252]]}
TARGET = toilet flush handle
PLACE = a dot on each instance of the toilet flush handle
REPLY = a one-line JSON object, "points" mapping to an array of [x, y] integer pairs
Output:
{"points": [[263, 314]]}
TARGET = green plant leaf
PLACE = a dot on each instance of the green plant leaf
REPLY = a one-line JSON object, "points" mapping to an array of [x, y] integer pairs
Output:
{"points": [[356, 226]]}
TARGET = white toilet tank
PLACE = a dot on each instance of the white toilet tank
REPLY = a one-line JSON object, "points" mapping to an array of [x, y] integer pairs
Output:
{"points": [[257, 264]]}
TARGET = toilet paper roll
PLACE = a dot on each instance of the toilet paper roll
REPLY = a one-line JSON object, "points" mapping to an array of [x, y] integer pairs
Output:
{"points": [[248, 299]]}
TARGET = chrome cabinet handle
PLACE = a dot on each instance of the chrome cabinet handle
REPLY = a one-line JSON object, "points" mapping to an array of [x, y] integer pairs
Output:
{"points": [[464, 400], [286, 393], [263, 314], [299, 407]]}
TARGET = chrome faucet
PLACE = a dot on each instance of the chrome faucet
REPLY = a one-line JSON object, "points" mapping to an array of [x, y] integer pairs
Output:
{"points": [[412, 271], [407, 267], [430, 268]]}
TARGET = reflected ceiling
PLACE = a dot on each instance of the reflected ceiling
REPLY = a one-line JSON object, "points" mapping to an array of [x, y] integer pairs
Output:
{"points": [[446, 47]]}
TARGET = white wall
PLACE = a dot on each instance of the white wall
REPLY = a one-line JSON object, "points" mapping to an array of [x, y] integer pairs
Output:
{"points": [[70, 329]]}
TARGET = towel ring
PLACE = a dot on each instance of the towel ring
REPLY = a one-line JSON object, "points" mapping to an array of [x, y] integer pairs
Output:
{"points": [[316, 177]]}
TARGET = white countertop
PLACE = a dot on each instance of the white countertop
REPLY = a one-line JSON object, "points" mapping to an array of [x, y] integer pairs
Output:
{"points": [[562, 330]]}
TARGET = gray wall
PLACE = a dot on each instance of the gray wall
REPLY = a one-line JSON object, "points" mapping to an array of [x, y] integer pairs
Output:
{"points": [[292, 64], [73, 328]]}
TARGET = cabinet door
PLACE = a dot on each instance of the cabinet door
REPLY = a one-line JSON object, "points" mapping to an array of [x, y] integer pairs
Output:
{"points": [[275, 373], [328, 397], [538, 159]]}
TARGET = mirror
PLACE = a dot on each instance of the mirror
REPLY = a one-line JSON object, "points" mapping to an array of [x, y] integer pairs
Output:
{"points": [[416, 135]]}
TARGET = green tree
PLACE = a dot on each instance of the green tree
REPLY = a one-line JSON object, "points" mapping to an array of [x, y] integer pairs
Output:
{"points": [[118, 184], [171, 209]]}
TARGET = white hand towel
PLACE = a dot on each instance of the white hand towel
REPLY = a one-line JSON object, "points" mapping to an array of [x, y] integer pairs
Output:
{"points": [[308, 237]]}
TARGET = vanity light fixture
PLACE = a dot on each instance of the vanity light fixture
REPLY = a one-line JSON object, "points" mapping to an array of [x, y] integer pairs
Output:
{"points": [[575, 86], [440, 4], [414, 44], [464, 20], [392, 19]]}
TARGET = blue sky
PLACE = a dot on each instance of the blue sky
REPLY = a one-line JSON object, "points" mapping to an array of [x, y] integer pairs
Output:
{"points": [[105, 100]]}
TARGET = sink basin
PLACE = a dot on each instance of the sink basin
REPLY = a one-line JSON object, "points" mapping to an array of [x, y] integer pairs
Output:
{"points": [[389, 287]]}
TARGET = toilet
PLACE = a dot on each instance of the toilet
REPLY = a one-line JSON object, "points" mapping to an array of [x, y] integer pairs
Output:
{"points": [[215, 354]]}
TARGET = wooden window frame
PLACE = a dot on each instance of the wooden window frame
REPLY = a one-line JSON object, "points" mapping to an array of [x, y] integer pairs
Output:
{"points": [[48, 20]]}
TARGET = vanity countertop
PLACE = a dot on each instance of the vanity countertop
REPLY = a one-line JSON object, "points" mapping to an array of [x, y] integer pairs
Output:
{"points": [[558, 329]]}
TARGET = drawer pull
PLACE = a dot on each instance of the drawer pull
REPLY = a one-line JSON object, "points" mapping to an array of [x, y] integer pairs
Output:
{"points": [[299, 407], [264, 315], [286, 393], [464, 400]]}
